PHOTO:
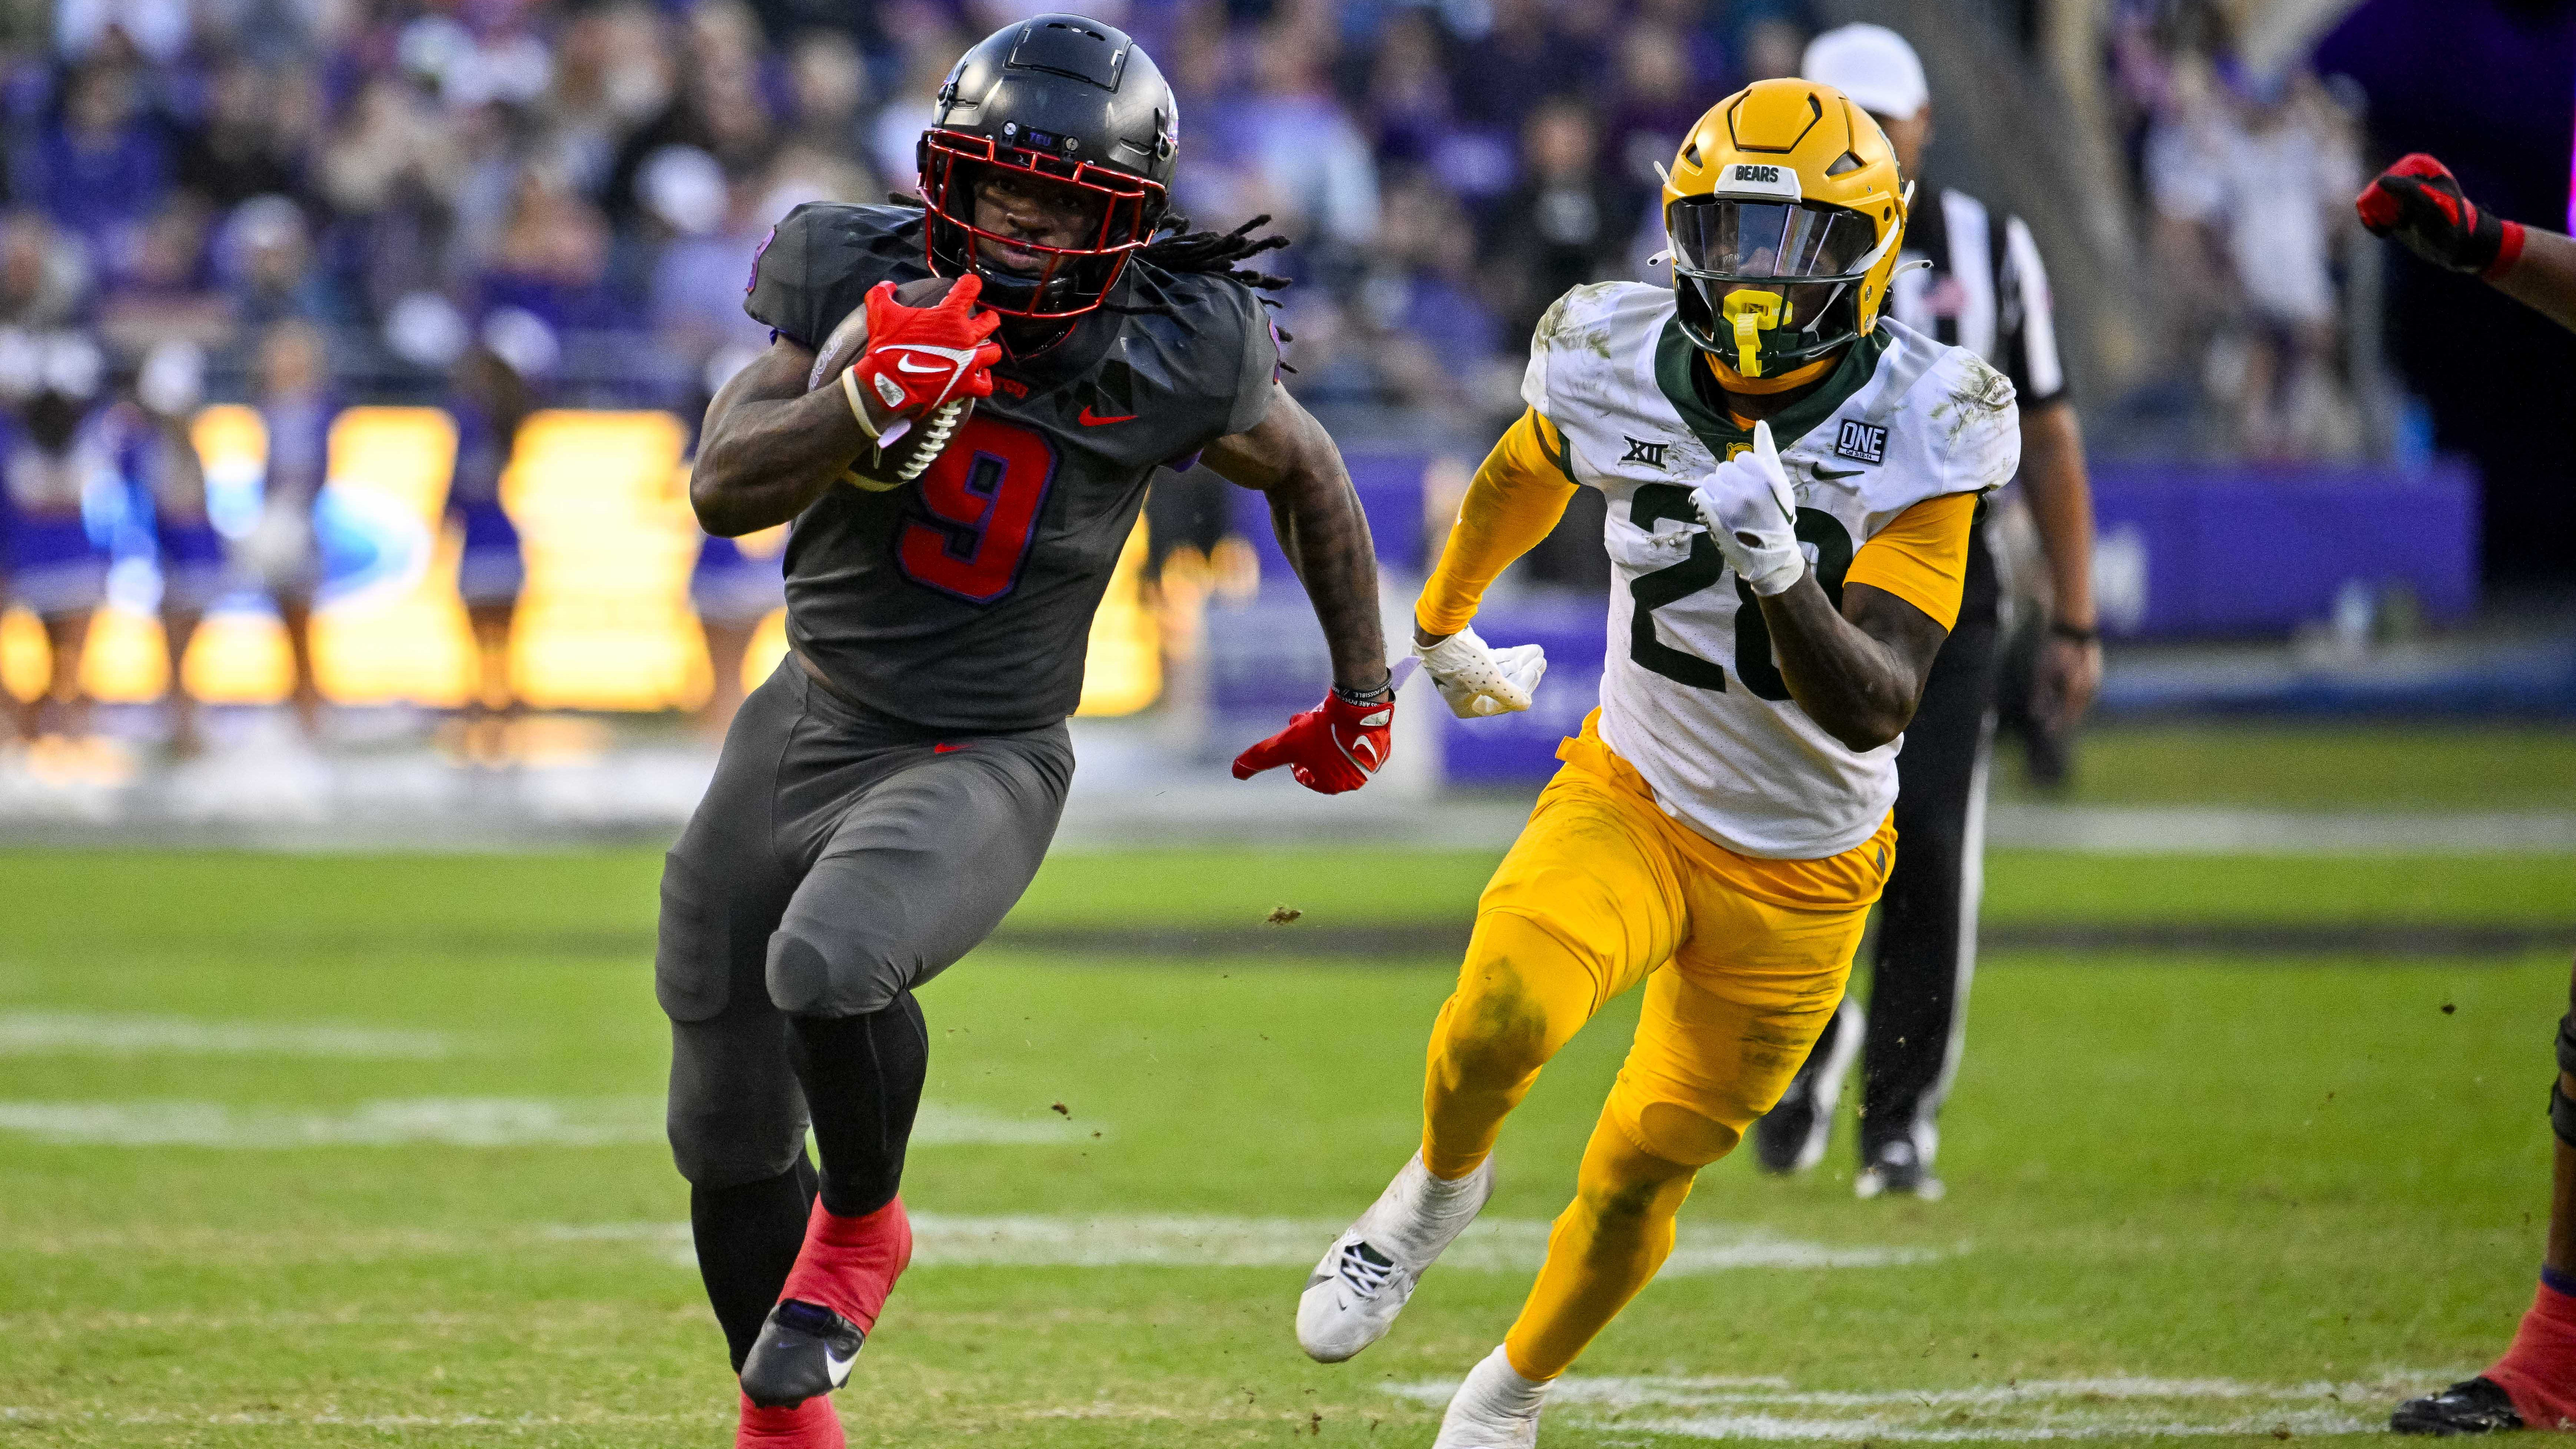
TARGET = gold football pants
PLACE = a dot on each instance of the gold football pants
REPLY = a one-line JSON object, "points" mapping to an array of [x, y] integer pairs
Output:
{"points": [[1743, 960]]}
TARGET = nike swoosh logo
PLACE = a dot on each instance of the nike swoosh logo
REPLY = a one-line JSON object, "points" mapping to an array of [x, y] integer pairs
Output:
{"points": [[906, 364], [838, 1367], [1825, 472], [1091, 419]]}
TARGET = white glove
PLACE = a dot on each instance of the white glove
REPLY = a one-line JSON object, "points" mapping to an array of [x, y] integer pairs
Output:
{"points": [[1749, 510], [1476, 680]]}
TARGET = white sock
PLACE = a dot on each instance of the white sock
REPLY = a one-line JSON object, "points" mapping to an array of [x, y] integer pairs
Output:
{"points": [[1444, 1190], [1523, 1394]]}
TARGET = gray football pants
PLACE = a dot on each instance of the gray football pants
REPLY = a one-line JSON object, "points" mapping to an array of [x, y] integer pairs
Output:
{"points": [[839, 859]]}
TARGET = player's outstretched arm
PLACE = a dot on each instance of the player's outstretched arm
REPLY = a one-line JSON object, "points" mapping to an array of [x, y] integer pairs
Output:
{"points": [[1289, 456], [2418, 203], [769, 447], [1516, 498], [1340, 743], [2543, 278]]}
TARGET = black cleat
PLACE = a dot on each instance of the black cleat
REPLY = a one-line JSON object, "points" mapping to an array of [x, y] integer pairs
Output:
{"points": [[2471, 1406], [1893, 1170], [805, 1350], [1791, 1136]]}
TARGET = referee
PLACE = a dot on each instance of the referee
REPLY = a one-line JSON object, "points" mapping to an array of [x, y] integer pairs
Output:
{"points": [[1983, 289]]}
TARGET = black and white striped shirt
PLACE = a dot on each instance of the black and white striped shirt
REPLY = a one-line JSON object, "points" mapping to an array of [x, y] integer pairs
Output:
{"points": [[1985, 291]]}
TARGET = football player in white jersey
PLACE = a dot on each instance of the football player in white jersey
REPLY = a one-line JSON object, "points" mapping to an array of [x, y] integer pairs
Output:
{"points": [[1790, 478]]}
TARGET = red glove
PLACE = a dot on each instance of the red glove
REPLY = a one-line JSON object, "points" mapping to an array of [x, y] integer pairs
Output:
{"points": [[1331, 748], [2419, 202], [920, 357]]}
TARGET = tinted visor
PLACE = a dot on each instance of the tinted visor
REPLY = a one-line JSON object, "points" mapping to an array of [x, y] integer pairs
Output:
{"points": [[1724, 236]]}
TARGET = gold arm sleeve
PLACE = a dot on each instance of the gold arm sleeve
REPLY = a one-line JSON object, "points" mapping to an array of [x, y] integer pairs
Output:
{"points": [[1922, 556], [1517, 496]]}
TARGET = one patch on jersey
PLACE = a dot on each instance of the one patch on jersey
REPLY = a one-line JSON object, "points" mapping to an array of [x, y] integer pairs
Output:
{"points": [[1861, 442], [1641, 451]]}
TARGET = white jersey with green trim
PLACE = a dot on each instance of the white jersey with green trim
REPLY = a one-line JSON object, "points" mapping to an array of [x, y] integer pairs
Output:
{"points": [[1691, 693]]}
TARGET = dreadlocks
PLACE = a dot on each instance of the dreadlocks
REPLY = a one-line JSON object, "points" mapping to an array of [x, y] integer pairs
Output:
{"points": [[1183, 252], [1178, 249], [1175, 248]]}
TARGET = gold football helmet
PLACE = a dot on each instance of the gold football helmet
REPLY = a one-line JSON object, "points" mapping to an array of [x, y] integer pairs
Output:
{"points": [[1784, 211]]}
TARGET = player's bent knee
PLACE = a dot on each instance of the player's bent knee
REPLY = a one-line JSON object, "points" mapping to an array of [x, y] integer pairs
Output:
{"points": [[2562, 1108], [1675, 1133], [1522, 994], [1499, 1030], [807, 980], [719, 1149]]}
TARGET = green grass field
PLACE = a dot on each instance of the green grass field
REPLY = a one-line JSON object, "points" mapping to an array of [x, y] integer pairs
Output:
{"points": [[366, 1150], [2321, 767]]}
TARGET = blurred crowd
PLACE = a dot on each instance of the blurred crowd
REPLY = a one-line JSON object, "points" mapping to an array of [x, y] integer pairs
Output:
{"points": [[560, 180], [498, 205], [2245, 181]]}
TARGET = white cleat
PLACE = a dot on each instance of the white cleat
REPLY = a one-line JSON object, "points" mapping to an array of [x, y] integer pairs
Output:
{"points": [[1369, 1272], [1494, 1409]]}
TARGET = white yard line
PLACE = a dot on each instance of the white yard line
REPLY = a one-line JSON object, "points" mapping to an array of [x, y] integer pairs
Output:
{"points": [[24, 1415], [2302, 1424], [64, 1033], [2017, 1411], [487, 1122], [1656, 1392], [940, 1125], [1515, 1245]]}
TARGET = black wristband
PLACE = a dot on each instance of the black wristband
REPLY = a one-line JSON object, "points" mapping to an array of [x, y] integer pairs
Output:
{"points": [[2073, 635], [1360, 699]]}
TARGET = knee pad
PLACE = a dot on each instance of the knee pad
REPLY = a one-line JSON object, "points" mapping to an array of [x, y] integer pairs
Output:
{"points": [[806, 980], [1672, 1131], [2562, 1111], [734, 1114], [716, 1149]]}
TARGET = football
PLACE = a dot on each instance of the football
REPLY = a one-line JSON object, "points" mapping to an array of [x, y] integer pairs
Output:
{"points": [[878, 470]]}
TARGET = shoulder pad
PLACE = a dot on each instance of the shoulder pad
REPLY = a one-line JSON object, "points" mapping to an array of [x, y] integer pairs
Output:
{"points": [[819, 262], [1598, 322], [1202, 340], [1975, 421]]}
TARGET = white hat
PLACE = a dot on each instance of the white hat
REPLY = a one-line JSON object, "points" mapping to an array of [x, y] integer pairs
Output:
{"points": [[1871, 64]]}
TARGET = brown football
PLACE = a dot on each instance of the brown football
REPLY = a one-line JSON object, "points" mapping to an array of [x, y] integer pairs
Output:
{"points": [[873, 470]]}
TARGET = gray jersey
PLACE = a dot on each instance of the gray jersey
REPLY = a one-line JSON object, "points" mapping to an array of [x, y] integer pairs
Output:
{"points": [[963, 601]]}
